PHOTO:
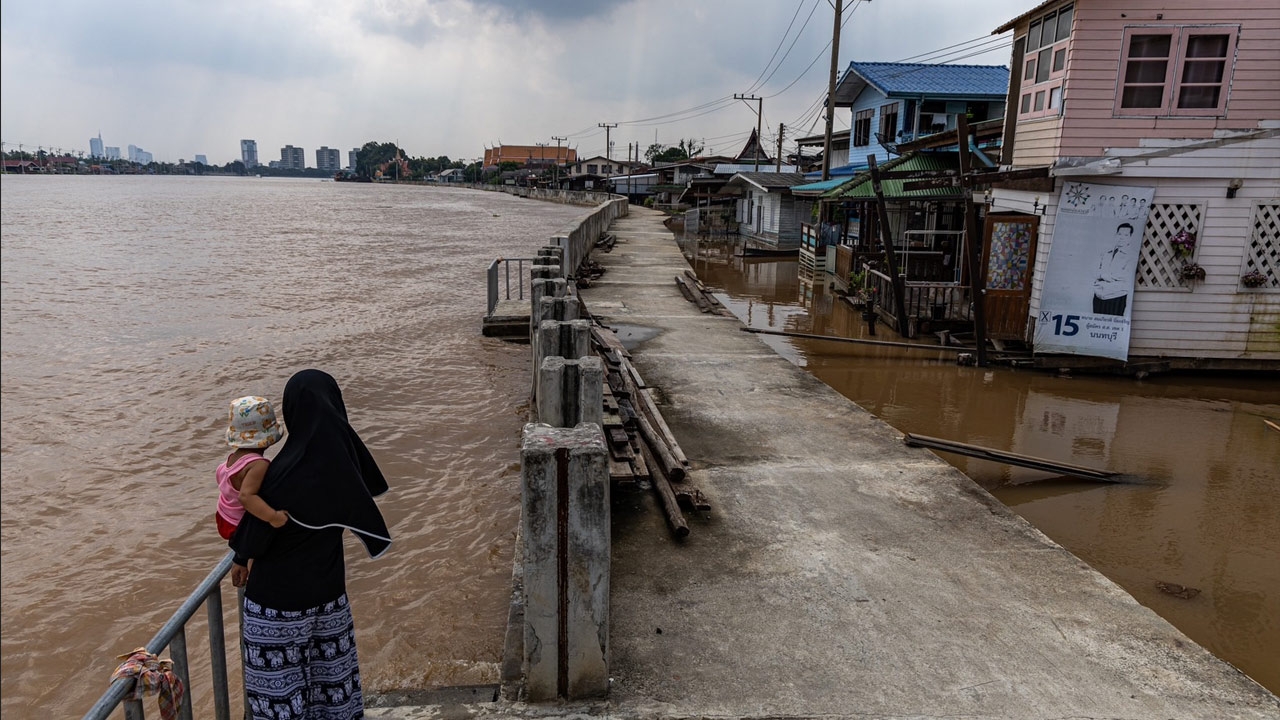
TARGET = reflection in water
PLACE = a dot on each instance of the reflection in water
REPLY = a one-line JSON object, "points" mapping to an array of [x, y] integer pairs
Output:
{"points": [[1206, 512]]}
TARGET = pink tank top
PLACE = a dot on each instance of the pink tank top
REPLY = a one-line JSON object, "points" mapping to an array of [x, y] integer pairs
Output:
{"points": [[229, 506]]}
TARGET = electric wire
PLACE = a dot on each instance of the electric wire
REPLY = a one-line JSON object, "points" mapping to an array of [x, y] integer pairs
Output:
{"points": [[799, 7]]}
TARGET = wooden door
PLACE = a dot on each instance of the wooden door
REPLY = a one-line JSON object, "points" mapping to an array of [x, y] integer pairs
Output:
{"points": [[1008, 259]]}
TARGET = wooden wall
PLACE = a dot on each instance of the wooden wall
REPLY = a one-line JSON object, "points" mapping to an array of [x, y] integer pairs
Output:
{"points": [[1089, 126], [1215, 318]]}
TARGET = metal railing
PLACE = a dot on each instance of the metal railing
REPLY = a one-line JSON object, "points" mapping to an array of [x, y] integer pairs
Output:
{"points": [[173, 635], [500, 281]]}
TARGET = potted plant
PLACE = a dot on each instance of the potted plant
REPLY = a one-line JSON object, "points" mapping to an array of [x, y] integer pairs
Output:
{"points": [[1183, 243], [1253, 279], [1192, 271]]}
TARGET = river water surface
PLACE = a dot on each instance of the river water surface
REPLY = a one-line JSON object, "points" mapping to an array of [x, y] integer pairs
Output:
{"points": [[1205, 514], [136, 308]]}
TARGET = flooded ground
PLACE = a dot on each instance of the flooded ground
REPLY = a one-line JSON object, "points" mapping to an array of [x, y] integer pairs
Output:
{"points": [[1203, 512]]}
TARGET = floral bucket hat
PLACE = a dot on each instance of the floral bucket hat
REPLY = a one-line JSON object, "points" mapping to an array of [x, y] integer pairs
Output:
{"points": [[253, 423]]}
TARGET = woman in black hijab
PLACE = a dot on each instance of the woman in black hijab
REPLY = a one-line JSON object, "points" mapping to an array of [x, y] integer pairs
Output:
{"points": [[298, 634]]}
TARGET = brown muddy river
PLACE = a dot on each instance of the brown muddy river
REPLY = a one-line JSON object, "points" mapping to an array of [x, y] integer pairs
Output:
{"points": [[1206, 513], [136, 308]]}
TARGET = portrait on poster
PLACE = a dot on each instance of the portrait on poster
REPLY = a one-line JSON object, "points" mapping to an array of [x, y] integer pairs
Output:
{"points": [[1089, 278]]}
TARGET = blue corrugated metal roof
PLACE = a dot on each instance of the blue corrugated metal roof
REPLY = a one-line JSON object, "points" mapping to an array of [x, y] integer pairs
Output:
{"points": [[912, 79], [817, 188]]}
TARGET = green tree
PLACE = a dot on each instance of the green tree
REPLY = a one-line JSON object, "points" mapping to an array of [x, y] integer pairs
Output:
{"points": [[373, 155], [683, 150]]}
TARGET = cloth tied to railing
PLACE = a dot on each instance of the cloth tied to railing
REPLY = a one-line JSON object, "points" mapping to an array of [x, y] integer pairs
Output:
{"points": [[152, 676]]}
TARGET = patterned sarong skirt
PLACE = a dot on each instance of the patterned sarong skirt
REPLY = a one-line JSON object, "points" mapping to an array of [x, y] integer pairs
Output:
{"points": [[301, 665]]}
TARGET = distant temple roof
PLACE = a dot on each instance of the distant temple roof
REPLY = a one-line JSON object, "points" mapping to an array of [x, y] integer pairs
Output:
{"points": [[529, 155]]}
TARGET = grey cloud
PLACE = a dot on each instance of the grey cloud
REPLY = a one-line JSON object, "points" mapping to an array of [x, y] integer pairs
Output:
{"points": [[555, 9], [241, 39]]}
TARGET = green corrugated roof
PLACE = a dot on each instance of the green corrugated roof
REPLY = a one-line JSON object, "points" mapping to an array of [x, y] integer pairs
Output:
{"points": [[859, 187]]}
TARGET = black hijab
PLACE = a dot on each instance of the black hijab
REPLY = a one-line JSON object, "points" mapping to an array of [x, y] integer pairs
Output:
{"points": [[324, 476]]}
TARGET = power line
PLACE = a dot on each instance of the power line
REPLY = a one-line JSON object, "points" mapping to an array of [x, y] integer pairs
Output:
{"points": [[781, 40], [819, 56], [980, 38], [789, 48]]}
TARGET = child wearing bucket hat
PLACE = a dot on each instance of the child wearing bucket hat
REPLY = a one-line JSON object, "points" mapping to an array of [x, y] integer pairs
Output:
{"points": [[251, 430]]}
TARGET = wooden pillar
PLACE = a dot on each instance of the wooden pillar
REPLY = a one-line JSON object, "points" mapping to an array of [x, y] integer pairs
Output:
{"points": [[973, 243], [890, 256]]}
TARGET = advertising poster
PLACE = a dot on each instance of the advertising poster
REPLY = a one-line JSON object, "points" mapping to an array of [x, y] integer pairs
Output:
{"points": [[1088, 283]]}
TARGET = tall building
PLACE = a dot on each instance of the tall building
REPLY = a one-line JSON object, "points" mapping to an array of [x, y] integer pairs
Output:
{"points": [[138, 155], [202, 159], [249, 153], [327, 159], [351, 158], [293, 158], [95, 147], [112, 152]]}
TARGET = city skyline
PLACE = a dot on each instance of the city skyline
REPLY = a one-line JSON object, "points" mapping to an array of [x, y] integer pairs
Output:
{"points": [[501, 72]]}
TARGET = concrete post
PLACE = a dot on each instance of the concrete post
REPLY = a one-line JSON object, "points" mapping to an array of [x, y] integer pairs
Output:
{"points": [[540, 288], [553, 289], [570, 340], [552, 252], [570, 259], [570, 391], [565, 526]]}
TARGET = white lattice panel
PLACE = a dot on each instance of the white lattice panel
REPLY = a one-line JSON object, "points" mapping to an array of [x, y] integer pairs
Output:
{"points": [[1263, 253], [1158, 266]]}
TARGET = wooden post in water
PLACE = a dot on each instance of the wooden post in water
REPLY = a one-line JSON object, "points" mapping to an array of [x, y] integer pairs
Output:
{"points": [[973, 243], [890, 257]]}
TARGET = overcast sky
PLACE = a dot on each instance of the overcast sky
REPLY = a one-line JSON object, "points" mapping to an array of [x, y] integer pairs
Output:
{"points": [[447, 77]]}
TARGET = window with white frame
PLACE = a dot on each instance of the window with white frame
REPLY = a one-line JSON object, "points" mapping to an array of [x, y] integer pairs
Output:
{"points": [[1176, 70], [862, 127], [1044, 64]]}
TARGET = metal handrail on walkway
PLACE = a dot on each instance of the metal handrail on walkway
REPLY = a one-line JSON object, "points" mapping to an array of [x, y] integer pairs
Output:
{"points": [[173, 635], [504, 279]]}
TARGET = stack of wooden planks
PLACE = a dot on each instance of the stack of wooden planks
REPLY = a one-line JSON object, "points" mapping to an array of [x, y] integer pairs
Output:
{"points": [[695, 292], [641, 446]]}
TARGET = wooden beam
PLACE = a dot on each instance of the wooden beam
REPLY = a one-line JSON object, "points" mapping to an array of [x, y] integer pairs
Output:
{"points": [[915, 174], [1009, 458], [979, 177], [857, 341], [947, 182], [890, 257], [973, 254]]}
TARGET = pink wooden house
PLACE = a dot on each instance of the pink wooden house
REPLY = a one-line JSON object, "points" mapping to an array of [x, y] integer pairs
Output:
{"points": [[1175, 99]]}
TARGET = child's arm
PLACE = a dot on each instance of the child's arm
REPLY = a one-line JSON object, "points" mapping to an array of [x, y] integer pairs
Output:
{"points": [[256, 506]]}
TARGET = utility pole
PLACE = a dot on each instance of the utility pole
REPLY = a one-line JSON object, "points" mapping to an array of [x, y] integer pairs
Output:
{"points": [[608, 146], [542, 158], [831, 90], [556, 172], [759, 113], [781, 129]]}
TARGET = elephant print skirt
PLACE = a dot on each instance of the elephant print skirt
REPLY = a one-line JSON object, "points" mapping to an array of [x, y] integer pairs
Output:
{"points": [[301, 665]]}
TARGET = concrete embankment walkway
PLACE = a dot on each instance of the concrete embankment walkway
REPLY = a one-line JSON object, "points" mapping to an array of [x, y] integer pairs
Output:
{"points": [[842, 574]]}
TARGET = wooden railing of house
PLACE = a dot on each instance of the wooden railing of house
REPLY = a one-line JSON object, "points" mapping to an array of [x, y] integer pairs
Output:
{"points": [[925, 302]]}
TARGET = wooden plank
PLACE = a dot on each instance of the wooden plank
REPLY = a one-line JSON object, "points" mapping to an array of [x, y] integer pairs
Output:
{"points": [[608, 339], [1009, 458], [857, 341]]}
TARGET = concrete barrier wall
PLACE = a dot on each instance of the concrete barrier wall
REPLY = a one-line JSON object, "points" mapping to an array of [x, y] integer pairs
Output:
{"points": [[577, 241], [589, 198], [564, 469]]}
